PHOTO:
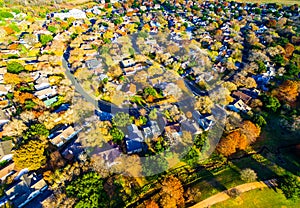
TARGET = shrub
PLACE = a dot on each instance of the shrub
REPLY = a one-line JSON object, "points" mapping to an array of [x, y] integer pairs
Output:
{"points": [[248, 175]]}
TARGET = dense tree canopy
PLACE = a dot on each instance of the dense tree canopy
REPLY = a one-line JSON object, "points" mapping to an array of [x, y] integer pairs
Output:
{"points": [[88, 189], [30, 155], [121, 119], [290, 185], [15, 67]]}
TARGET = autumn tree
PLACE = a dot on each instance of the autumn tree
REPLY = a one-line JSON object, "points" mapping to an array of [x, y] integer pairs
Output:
{"points": [[151, 204], [203, 104], [250, 130], [239, 139], [15, 128], [288, 91], [171, 193], [30, 155], [230, 143]]}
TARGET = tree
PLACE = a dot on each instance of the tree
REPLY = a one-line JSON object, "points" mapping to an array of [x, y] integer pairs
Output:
{"points": [[192, 156], [36, 130], [44, 39], [13, 79], [88, 189], [248, 175], [15, 128], [117, 135], [151, 204], [259, 120], [250, 130], [290, 185], [15, 67], [171, 193], [30, 155], [287, 91], [228, 144], [203, 104], [154, 165], [271, 103], [153, 114], [121, 119]]}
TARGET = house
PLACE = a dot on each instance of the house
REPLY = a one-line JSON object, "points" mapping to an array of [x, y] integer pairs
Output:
{"points": [[173, 132], [205, 121], [110, 155], [127, 63], [239, 105], [50, 101], [152, 130], [75, 13], [41, 83], [134, 141], [131, 89], [191, 127], [245, 98], [28, 187], [93, 64], [129, 71], [3, 70], [4, 89], [4, 119], [7, 171], [5, 148], [62, 135], [62, 107], [46, 93]]}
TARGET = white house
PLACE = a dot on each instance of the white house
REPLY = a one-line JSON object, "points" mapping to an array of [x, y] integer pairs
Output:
{"points": [[75, 13]]}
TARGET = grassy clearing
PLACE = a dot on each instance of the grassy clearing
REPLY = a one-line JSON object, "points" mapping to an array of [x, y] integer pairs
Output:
{"points": [[287, 2], [259, 198]]}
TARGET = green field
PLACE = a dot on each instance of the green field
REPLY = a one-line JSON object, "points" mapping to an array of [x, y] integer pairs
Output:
{"points": [[259, 198], [288, 2]]}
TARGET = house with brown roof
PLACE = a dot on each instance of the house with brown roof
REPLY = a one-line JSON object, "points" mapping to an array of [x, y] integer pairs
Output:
{"points": [[245, 98]]}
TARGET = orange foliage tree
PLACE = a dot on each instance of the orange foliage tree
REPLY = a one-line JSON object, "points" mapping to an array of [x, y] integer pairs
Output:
{"points": [[171, 193], [239, 139], [287, 92]]}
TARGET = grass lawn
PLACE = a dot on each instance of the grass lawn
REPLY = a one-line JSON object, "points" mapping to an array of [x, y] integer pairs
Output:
{"points": [[287, 2], [259, 198]]}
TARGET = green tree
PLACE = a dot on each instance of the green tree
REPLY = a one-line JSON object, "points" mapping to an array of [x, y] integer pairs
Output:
{"points": [[52, 29], [259, 120], [88, 189], [117, 135], [30, 155], [154, 165], [15, 67], [271, 103], [44, 39], [292, 69], [36, 130], [121, 119], [290, 185], [261, 66], [192, 156], [153, 114]]}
